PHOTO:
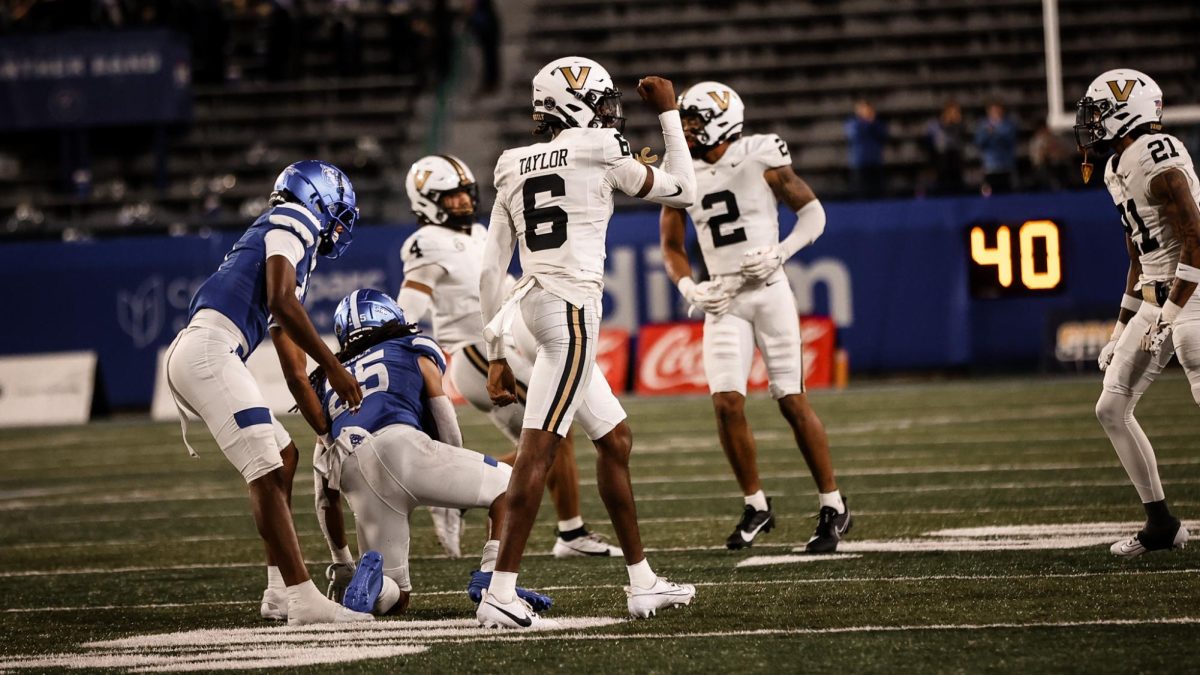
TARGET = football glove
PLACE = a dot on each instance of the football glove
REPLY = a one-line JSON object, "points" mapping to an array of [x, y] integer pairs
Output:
{"points": [[760, 263], [1158, 333], [1106, 354], [339, 576], [710, 298]]}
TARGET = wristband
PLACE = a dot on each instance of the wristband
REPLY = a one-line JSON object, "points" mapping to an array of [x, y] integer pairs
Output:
{"points": [[1187, 273], [1170, 311], [1130, 302], [686, 285], [1117, 330]]}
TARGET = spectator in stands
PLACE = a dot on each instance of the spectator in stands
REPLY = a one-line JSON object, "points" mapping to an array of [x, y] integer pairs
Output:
{"points": [[283, 34], [1051, 159], [867, 135], [996, 137], [945, 138], [484, 23]]}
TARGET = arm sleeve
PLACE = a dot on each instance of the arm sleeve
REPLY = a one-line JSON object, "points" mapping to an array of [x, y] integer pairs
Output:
{"points": [[284, 243], [414, 303], [497, 254], [810, 224], [674, 184], [446, 419]]}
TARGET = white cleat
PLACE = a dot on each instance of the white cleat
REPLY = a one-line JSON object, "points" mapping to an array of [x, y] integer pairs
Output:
{"points": [[591, 544], [516, 614], [449, 525], [324, 611], [274, 605], [645, 602], [1147, 540]]}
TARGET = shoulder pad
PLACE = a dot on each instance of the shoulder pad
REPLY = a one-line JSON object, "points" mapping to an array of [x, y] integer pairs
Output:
{"points": [[425, 246], [297, 220], [1159, 152], [614, 144], [425, 346], [769, 149]]}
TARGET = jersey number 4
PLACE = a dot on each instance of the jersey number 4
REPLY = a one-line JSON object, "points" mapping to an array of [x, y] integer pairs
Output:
{"points": [[1133, 222], [540, 215], [732, 213]]}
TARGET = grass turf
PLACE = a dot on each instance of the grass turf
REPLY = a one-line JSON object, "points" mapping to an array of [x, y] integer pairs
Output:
{"points": [[111, 531]]}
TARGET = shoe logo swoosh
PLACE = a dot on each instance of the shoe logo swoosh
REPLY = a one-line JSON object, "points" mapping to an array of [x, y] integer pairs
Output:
{"points": [[753, 532], [678, 191], [522, 621]]}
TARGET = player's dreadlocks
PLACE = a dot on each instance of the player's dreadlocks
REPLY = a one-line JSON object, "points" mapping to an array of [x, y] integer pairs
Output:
{"points": [[361, 342]]}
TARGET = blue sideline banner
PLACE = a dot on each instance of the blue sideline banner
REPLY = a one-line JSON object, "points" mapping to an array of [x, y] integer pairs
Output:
{"points": [[895, 276], [94, 79]]}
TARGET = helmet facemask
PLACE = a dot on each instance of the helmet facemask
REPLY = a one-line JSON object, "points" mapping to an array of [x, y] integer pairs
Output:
{"points": [[1090, 133], [695, 132], [338, 232], [458, 219]]}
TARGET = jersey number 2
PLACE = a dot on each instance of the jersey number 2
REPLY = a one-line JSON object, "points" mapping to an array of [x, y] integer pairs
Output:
{"points": [[1162, 149], [731, 214], [539, 215]]}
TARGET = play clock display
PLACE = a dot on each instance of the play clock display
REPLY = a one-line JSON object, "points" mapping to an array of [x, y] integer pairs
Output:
{"points": [[1006, 260]]}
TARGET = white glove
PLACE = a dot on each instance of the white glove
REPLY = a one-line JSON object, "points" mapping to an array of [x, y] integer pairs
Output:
{"points": [[760, 263], [1106, 352], [711, 298], [1158, 333]]}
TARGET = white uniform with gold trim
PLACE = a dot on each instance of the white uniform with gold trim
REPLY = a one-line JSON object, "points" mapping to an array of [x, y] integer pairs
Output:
{"points": [[736, 211], [1128, 177], [456, 319], [556, 199]]}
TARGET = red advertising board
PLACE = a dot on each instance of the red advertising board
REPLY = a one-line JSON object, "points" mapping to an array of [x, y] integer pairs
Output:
{"points": [[671, 357]]}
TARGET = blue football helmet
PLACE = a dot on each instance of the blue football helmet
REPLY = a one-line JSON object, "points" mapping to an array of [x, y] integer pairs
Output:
{"points": [[326, 192], [363, 310]]}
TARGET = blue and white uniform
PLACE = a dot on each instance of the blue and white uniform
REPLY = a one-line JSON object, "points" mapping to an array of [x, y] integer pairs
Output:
{"points": [[228, 319], [384, 459]]}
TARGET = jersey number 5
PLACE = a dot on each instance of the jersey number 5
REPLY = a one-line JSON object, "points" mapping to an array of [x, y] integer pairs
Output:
{"points": [[371, 373], [539, 215], [732, 213]]}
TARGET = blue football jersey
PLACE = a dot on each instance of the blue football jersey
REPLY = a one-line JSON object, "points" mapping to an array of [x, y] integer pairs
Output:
{"points": [[238, 289], [392, 385]]}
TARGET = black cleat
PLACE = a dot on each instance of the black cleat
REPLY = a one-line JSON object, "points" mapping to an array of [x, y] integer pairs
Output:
{"points": [[752, 524], [831, 527]]}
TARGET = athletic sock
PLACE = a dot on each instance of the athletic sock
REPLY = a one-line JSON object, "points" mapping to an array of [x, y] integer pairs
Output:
{"points": [[389, 595], [503, 586], [570, 524], [275, 579], [343, 556], [305, 593], [833, 500], [568, 535], [1157, 513], [491, 549], [640, 574], [758, 500]]}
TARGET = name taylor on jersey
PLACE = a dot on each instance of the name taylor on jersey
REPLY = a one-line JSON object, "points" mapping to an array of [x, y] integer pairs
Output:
{"points": [[543, 161]]}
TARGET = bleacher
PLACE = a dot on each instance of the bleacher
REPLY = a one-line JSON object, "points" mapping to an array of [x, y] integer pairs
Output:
{"points": [[221, 166], [801, 64]]}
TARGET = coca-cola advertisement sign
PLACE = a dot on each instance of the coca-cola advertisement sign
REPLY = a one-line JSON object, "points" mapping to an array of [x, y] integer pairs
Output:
{"points": [[671, 358]]}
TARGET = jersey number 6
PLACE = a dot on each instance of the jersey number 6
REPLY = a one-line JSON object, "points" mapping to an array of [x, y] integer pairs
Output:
{"points": [[539, 215]]}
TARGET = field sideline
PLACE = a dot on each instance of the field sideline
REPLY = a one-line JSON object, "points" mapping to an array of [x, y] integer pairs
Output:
{"points": [[983, 510]]}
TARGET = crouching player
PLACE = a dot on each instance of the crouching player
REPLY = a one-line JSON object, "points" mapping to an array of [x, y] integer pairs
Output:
{"points": [[312, 210], [401, 450]]}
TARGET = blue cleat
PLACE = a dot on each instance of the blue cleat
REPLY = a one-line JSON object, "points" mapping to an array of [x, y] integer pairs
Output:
{"points": [[366, 584], [481, 580]]}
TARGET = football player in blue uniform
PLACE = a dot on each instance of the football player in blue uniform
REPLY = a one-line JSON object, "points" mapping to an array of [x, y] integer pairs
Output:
{"points": [[403, 449], [260, 285]]}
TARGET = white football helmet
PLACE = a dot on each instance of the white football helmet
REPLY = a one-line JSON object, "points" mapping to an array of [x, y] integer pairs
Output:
{"points": [[719, 109], [577, 92], [433, 177], [1115, 103]]}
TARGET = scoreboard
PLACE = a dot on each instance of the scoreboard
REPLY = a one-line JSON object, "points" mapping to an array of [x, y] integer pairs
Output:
{"points": [[1008, 260]]}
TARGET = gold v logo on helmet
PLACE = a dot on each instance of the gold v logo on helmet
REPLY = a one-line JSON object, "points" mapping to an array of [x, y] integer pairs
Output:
{"points": [[421, 177], [1121, 93], [721, 99], [573, 81]]}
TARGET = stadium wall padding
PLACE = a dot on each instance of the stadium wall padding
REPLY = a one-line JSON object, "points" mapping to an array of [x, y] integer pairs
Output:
{"points": [[892, 274]]}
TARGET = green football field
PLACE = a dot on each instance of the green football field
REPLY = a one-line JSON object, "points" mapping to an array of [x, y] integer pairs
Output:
{"points": [[983, 510]]}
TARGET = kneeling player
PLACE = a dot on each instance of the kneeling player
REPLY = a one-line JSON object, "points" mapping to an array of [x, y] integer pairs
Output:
{"points": [[399, 451], [739, 182]]}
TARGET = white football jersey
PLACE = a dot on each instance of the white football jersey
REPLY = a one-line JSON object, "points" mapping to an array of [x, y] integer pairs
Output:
{"points": [[1128, 181], [559, 197], [455, 307], [735, 209]]}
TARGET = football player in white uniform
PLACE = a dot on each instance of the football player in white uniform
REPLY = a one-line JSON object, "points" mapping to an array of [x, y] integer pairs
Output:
{"points": [[554, 199], [442, 261], [740, 181], [1155, 189]]}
